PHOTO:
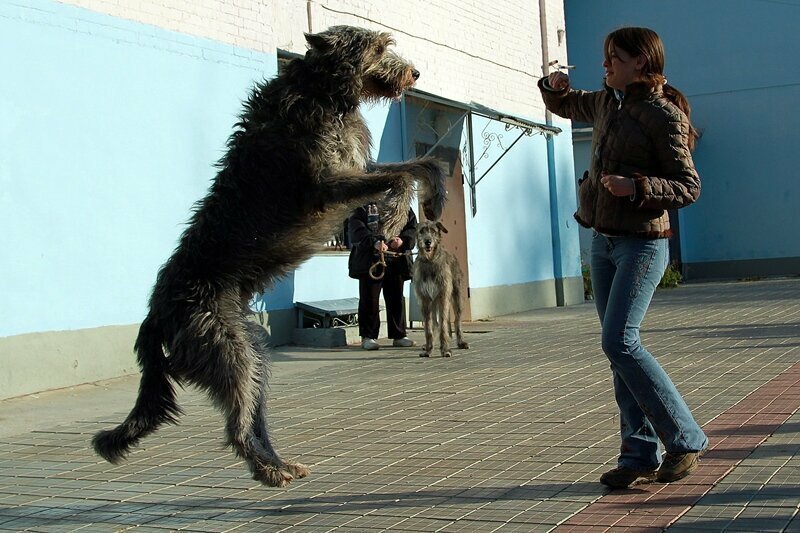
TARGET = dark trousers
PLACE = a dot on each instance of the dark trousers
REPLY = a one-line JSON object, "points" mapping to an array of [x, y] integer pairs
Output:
{"points": [[369, 291]]}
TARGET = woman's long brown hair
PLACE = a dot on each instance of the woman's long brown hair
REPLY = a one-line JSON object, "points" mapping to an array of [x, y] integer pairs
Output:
{"points": [[645, 42]]}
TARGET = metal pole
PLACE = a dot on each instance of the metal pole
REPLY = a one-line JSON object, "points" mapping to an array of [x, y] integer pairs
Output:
{"points": [[471, 167]]}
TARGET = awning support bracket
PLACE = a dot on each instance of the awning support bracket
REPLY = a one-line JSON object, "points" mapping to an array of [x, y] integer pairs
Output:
{"points": [[528, 128]]}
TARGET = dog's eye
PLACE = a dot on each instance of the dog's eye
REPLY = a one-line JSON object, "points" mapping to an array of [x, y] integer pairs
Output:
{"points": [[380, 49]]}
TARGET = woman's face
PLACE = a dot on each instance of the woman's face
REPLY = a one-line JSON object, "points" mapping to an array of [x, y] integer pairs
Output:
{"points": [[622, 68]]}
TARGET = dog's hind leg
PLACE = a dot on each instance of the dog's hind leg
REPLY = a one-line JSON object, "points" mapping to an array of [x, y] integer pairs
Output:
{"points": [[260, 340], [239, 400], [233, 375]]}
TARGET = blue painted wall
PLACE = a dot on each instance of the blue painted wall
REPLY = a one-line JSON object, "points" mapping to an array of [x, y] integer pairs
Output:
{"points": [[509, 240], [524, 228], [566, 201], [735, 60], [109, 131]]}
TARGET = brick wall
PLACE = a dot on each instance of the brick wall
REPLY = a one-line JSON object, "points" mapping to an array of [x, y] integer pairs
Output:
{"points": [[466, 50], [243, 23]]}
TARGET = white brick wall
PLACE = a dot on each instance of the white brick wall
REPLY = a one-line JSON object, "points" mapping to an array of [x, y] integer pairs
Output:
{"points": [[467, 50], [243, 23]]}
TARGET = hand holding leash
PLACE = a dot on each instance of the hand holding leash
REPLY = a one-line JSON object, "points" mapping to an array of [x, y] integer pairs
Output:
{"points": [[378, 268]]}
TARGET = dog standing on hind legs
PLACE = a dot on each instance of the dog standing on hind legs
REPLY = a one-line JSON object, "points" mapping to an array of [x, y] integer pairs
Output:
{"points": [[437, 285], [296, 165]]}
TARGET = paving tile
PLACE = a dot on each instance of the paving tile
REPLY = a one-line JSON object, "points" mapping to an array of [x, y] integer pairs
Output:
{"points": [[793, 526], [420, 524], [757, 524]]}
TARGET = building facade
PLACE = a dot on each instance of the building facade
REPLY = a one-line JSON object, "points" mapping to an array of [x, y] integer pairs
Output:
{"points": [[114, 113]]}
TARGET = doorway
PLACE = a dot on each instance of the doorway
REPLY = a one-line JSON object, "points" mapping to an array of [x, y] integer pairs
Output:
{"points": [[436, 129]]}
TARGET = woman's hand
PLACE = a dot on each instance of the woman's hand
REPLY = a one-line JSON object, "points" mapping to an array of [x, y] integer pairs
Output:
{"points": [[618, 185], [381, 246], [558, 80], [395, 243]]}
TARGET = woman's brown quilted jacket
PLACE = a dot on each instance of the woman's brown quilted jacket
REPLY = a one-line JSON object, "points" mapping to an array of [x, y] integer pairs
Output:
{"points": [[644, 136]]}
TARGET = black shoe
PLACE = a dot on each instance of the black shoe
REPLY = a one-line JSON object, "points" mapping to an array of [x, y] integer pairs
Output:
{"points": [[623, 477]]}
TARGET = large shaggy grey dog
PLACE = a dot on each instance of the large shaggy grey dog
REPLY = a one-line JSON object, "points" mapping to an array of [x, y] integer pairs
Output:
{"points": [[437, 285], [297, 163]]}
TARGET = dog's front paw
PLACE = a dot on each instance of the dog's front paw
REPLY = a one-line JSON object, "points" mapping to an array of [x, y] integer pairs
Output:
{"points": [[430, 212], [425, 354], [433, 188], [463, 345], [446, 353]]}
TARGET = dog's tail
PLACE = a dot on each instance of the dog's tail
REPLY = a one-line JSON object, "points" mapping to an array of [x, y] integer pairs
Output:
{"points": [[156, 404]]}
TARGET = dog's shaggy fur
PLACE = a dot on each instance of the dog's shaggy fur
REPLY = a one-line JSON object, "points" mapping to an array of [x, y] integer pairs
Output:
{"points": [[296, 165], [437, 285]]}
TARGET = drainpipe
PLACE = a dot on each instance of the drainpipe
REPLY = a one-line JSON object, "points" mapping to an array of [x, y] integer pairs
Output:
{"points": [[555, 224]]}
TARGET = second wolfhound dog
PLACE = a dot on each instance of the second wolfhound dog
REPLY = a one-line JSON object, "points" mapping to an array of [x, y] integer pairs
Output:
{"points": [[437, 285], [296, 164]]}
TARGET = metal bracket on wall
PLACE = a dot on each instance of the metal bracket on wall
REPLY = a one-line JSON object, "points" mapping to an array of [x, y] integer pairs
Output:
{"points": [[525, 127]]}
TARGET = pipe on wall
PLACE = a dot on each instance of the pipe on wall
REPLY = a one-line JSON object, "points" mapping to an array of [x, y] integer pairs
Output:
{"points": [[555, 226]]}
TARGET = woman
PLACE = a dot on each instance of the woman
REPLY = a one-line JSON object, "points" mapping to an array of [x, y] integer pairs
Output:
{"points": [[366, 231], [641, 166]]}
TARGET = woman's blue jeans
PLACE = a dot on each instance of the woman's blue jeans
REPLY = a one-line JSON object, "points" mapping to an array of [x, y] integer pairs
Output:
{"points": [[625, 272]]}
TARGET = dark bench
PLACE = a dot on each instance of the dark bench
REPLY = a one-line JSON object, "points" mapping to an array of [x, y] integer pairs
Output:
{"points": [[328, 313]]}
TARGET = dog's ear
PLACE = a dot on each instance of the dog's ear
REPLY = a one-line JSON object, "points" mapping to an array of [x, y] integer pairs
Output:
{"points": [[441, 227], [322, 41]]}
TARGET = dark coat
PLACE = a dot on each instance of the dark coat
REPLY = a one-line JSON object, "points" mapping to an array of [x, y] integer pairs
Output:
{"points": [[645, 137], [363, 254]]}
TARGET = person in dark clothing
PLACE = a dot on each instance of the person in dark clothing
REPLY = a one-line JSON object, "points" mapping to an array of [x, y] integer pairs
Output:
{"points": [[366, 232]]}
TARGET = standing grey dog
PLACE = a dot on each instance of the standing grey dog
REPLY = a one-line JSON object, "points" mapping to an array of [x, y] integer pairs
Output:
{"points": [[297, 163], [437, 284]]}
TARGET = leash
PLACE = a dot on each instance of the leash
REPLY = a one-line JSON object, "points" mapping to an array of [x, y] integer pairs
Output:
{"points": [[381, 263]]}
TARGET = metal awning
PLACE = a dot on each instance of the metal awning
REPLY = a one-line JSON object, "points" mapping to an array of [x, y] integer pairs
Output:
{"points": [[526, 128]]}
